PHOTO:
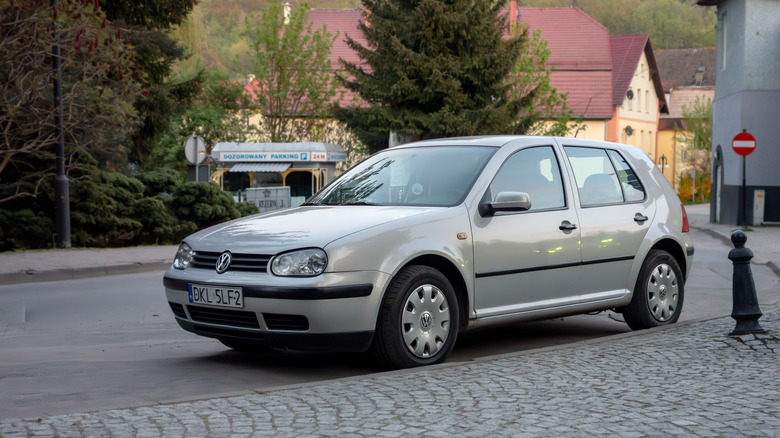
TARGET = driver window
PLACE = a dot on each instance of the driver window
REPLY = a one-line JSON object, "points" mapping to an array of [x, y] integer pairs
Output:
{"points": [[534, 171]]}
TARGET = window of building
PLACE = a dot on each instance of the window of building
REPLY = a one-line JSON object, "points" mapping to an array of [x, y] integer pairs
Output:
{"points": [[647, 101], [639, 99]]}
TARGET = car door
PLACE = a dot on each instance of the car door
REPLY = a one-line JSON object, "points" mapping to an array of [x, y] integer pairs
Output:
{"points": [[614, 216], [527, 260]]}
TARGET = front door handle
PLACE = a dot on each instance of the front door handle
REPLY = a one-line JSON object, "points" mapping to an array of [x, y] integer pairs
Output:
{"points": [[566, 225], [639, 218]]}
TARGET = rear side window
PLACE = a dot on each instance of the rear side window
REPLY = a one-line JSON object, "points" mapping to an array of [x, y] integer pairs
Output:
{"points": [[629, 182], [603, 177]]}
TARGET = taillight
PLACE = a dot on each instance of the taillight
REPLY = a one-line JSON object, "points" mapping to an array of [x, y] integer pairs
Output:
{"points": [[685, 227]]}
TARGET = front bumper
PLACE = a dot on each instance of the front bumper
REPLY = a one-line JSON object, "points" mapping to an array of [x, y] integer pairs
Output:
{"points": [[330, 312]]}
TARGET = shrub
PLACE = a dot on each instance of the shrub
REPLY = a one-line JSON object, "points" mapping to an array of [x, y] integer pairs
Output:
{"points": [[203, 204]]}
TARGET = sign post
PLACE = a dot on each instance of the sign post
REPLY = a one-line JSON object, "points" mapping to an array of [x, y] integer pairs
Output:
{"points": [[744, 144], [195, 151]]}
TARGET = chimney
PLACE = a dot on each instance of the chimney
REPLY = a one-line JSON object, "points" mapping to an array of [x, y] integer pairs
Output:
{"points": [[287, 8], [513, 13], [699, 76]]}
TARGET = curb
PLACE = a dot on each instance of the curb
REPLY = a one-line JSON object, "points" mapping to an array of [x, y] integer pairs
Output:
{"points": [[33, 276]]}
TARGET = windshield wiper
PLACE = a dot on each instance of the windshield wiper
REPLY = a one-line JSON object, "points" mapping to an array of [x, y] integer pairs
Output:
{"points": [[359, 203]]}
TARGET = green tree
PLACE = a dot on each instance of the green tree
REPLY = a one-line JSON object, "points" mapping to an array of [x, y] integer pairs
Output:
{"points": [[219, 113], [290, 64], [432, 69], [549, 112], [697, 136]]}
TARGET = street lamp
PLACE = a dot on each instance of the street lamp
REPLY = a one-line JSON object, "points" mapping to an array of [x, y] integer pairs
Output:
{"points": [[662, 162], [61, 190]]}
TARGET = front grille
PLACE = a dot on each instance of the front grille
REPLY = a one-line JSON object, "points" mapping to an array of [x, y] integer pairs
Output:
{"points": [[275, 321], [240, 262], [235, 318], [178, 310]]}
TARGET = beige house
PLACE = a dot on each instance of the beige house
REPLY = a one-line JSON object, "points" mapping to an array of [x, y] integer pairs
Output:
{"points": [[637, 94]]}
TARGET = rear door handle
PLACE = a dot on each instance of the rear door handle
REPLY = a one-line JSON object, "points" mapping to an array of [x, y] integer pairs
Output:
{"points": [[566, 225], [639, 218]]}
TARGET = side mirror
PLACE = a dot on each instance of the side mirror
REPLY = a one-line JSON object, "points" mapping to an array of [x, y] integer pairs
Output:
{"points": [[506, 201]]}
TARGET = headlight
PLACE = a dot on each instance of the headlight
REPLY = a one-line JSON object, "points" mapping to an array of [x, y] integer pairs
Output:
{"points": [[183, 256], [303, 263]]}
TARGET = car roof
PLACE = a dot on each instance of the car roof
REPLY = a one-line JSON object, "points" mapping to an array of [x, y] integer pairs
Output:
{"points": [[501, 140], [479, 140]]}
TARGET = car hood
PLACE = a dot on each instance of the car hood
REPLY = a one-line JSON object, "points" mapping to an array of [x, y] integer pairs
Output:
{"points": [[309, 226]]}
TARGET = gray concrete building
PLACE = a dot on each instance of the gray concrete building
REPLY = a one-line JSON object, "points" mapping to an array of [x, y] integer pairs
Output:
{"points": [[747, 98]]}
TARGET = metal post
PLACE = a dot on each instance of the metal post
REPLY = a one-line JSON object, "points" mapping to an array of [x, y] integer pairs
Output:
{"points": [[744, 195], [61, 190], [745, 308]]}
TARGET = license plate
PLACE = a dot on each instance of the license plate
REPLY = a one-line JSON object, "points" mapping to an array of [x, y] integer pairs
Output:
{"points": [[222, 296]]}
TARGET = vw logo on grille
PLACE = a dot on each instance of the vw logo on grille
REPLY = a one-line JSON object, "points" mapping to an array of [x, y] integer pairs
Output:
{"points": [[223, 262]]}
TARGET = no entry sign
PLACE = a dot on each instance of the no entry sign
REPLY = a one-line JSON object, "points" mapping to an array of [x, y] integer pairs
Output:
{"points": [[744, 143]]}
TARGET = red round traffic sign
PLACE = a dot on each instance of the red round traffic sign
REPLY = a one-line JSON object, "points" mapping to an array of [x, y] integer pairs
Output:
{"points": [[744, 143]]}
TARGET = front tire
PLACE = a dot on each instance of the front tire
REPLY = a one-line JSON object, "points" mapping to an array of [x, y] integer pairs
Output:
{"points": [[658, 294], [418, 321]]}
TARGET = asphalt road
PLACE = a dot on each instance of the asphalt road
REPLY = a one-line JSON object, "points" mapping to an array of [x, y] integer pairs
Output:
{"points": [[111, 342]]}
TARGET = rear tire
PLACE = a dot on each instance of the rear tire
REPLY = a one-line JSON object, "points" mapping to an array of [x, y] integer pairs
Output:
{"points": [[418, 320], [658, 294]]}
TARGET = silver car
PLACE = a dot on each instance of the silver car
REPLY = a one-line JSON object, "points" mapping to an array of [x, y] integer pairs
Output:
{"points": [[422, 241]]}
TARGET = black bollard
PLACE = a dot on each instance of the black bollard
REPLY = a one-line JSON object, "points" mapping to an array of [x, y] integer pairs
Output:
{"points": [[745, 309]]}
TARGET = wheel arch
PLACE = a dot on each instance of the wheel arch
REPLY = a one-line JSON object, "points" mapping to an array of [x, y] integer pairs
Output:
{"points": [[674, 248], [456, 279]]}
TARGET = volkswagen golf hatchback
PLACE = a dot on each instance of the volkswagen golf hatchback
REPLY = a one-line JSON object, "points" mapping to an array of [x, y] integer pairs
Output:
{"points": [[422, 241]]}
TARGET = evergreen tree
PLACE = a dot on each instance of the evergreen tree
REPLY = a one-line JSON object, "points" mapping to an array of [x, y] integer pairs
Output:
{"points": [[433, 68], [144, 24]]}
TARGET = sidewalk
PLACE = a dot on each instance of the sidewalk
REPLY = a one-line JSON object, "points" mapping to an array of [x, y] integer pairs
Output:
{"points": [[764, 241], [68, 264]]}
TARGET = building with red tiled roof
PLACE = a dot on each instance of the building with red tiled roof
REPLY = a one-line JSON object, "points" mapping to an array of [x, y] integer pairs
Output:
{"points": [[637, 93], [579, 56]]}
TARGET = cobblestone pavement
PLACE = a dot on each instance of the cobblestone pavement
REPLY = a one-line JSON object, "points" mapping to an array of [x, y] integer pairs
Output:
{"points": [[689, 379]]}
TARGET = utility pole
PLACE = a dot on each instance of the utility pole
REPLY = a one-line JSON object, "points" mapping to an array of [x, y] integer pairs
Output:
{"points": [[61, 190]]}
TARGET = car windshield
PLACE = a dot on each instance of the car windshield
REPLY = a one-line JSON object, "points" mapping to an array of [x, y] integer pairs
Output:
{"points": [[424, 176]]}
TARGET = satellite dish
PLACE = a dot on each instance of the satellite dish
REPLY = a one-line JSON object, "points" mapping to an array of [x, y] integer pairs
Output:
{"points": [[630, 95], [629, 130]]}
